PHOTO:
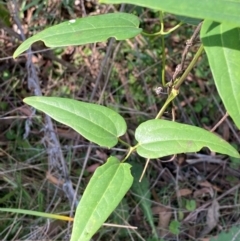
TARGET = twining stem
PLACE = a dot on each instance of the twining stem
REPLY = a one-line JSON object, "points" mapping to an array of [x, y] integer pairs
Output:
{"points": [[178, 83], [123, 142], [162, 31], [163, 49], [130, 150], [170, 98]]}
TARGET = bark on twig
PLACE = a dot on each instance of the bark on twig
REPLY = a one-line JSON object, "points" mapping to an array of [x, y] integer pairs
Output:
{"points": [[55, 156]]}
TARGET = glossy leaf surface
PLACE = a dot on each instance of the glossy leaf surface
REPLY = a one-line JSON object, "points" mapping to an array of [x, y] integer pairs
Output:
{"points": [[104, 192], [222, 45], [86, 30], [96, 123], [216, 10], [158, 138]]}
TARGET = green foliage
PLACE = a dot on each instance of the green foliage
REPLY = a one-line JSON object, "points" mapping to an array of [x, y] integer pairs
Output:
{"points": [[158, 138], [121, 213], [192, 21], [142, 190], [221, 43], [96, 123], [86, 30], [101, 197], [215, 10], [191, 205], [232, 235], [174, 227]]}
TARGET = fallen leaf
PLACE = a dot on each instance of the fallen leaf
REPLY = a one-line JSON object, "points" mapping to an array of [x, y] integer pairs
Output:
{"points": [[212, 218], [164, 216], [184, 192], [53, 179], [205, 184], [101, 155], [208, 184], [202, 192], [93, 167]]}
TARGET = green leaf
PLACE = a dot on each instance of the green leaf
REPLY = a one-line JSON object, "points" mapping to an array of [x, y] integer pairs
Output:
{"points": [[104, 192], [86, 30], [232, 235], [174, 227], [191, 205], [96, 123], [142, 189], [222, 45], [215, 10], [188, 20], [158, 138]]}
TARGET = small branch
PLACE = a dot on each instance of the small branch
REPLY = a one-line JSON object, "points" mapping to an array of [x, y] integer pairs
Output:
{"points": [[189, 43], [189, 68], [170, 98], [219, 123], [50, 140]]}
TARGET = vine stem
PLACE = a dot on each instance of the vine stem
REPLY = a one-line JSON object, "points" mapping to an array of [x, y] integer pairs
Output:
{"points": [[170, 98], [189, 68], [130, 150], [163, 49], [123, 142], [177, 83], [162, 32]]}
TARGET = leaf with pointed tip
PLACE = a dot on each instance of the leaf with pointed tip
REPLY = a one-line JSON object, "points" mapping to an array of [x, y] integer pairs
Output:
{"points": [[222, 45], [104, 192], [216, 10], [96, 123], [86, 30], [158, 138]]}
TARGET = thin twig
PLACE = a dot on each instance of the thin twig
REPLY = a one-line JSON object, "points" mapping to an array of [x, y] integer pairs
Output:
{"points": [[219, 123], [84, 13], [189, 43], [104, 62], [230, 125], [204, 206], [50, 140]]}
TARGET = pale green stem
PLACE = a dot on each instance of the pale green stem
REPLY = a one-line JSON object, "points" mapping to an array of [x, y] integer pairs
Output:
{"points": [[123, 142], [163, 50], [170, 98], [178, 82], [189, 68], [131, 149], [161, 31]]}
